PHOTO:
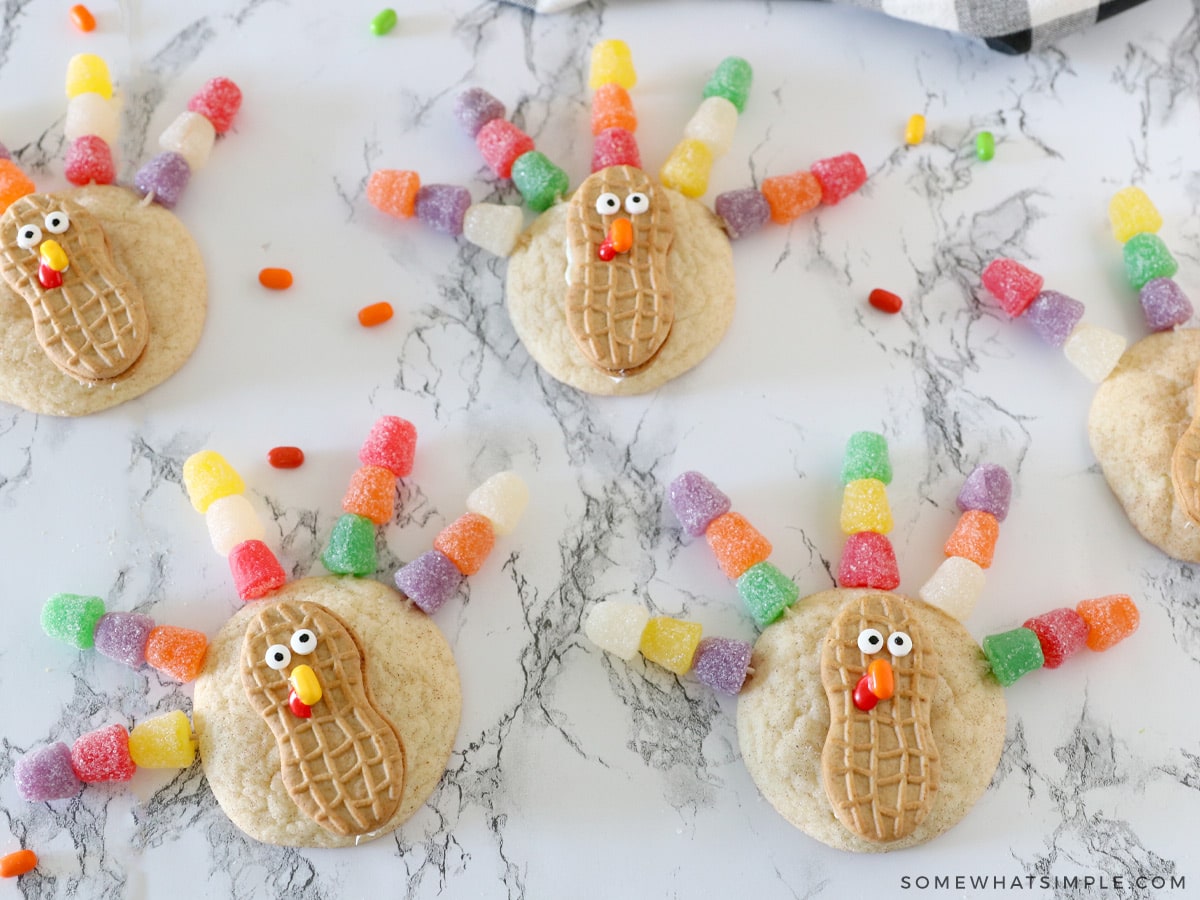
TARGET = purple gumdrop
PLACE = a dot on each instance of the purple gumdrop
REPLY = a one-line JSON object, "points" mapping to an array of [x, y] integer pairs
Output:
{"points": [[4, 154], [443, 206], [1054, 316], [696, 501], [165, 176], [429, 580], [988, 489], [1164, 304], [475, 107], [46, 774], [122, 636], [743, 211], [721, 663]]}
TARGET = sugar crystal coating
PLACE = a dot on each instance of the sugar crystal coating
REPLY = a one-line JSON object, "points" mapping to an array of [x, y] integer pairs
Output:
{"points": [[742, 212], [696, 501], [1013, 654], [736, 543], [89, 160], [501, 499], [165, 176], [475, 107], [500, 142], [686, 169], [1147, 258], [351, 547], [612, 63], [722, 663], [790, 196], [391, 445], [1013, 285], [954, 587], [1054, 316], [255, 570], [442, 207], [731, 80], [839, 177], [91, 113], [467, 541], [767, 592], [72, 618], [1164, 304], [178, 652], [974, 537], [88, 74], [218, 101], [616, 627], [371, 493], [394, 191], [103, 755], [671, 643], [1109, 620], [866, 456], [987, 488], [868, 561], [1094, 351], [493, 227], [232, 520], [1131, 212], [14, 184], [208, 477], [865, 507], [191, 135], [713, 123], [163, 742], [46, 774], [612, 108], [1062, 633], [122, 636], [615, 147], [429, 580], [540, 181]]}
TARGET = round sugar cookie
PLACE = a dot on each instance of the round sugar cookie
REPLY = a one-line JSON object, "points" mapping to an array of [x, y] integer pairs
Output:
{"points": [[783, 720], [155, 249], [700, 266], [412, 680], [1137, 417]]}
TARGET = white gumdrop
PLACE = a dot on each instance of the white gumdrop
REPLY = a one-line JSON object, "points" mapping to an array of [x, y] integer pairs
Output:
{"points": [[1094, 351], [616, 627], [90, 113], [191, 135], [501, 500], [493, 227], [714, 123], [955, 587], [231, 521]]}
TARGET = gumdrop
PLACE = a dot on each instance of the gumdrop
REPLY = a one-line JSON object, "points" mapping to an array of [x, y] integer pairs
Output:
{"points": [[696, 501], [475, 107], [103, 755], [1094, 351], [686, 169], [612, 63], [502, 500], [467, 541], [208, 477], [429, 580], [540, 181], [351, 548], [255, 570], [231, 521], [394, 191], [1109, 620], [164, 177], [1013, 285], [1147, 258], [72, 619], [46, 774], [371, 493], [1131, 212], [191, 135], [178, 652], [974, 538], [14, 184], [612, 108], [987, 488], [1164, 304], [865, 507], [163, 742], [1054, 316], [731, 80], [89, 160], [218, 101], [868, 561], [92, 114], [736, 543], [790, 196], [615, 147], [443, 207], [122, 636], [1013, 654], [713, 124], [1062, 633], [954, 587], [722, 664], [500, 142], [671, 643], [493, 227], [767, 592], [616, 627], [87, 73], [391, 445], [742, 212], [839, 177], [866, 456]]}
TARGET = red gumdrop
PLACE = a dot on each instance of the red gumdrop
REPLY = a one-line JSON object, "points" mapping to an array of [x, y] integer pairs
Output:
{"points": [[89, 159], [868, 561], [391, 445], [615, 147], [501, 142], [1062, 633], [839, 176], [256, 572], [1012, 284], [218, 101], [103, 755]]}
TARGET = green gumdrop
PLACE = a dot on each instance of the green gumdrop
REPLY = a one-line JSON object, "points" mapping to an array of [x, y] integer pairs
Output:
{"points": [[540, 181], [1147, 258], [1013, 654], [72, 618], [351, 549], [731, 80], [866, 457], [767, 592]]}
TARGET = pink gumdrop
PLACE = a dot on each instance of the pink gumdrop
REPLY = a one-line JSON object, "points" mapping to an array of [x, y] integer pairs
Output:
{"points": [[500, 142], [103, 755], [615, 147], [868, 561], [256, 572], [89, 159], [1014, 286], [839, 177], [391, 445], [218, 101]]}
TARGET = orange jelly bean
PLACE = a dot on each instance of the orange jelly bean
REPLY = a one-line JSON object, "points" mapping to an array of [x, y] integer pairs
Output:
{"points": [[275, 279], [82, 18], [18, 863], [736, 543], [1109, 620], [285, 457], [375, 314], [467, 542]]}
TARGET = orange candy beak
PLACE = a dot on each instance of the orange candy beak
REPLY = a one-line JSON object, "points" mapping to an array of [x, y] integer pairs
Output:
{"points": [[618, 240]]}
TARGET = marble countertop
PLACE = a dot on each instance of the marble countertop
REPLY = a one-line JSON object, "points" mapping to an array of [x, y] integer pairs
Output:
{"points": [[574, 774]]}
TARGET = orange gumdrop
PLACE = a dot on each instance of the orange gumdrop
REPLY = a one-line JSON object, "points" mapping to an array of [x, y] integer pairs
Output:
{"points": [[612, 108], [178, 652], [736, 543], [14, 184], [467, 542], [974, 537], [394, 192], [790, 196], [372, 493], [17, 863], [1109, 620]]}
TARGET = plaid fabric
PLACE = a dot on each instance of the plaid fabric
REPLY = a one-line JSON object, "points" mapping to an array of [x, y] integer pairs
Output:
{"points": [[1010, 26]]}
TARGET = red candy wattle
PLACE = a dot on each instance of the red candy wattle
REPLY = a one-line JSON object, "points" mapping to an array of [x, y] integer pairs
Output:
{"points": [[863, 698], [298, 707]]}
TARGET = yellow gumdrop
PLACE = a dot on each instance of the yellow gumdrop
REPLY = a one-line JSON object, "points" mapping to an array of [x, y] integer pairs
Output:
{"points": [[87, 73], [208, 477], [671, 643], [1132, 212], [865, 507], [686, 169], [164, 742], [612, 63]]}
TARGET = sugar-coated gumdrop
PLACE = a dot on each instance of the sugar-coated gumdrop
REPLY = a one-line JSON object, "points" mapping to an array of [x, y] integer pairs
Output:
{"points": [[391, 445], [1109, 620], [475, 107], [500, 142], [89, 160], [974, 537], [1147, 258], [686, 169], [1013, 285], [885, 301], [790, 196], [1062, 633], [615, 147], [165, 176], [394, 191], [192, 136], [954, 587], [21, 862], [163, 742], [371, 493], [612, 108], [493, 227], [208, 477], [1013, 654], [612, 63], [467, 541], [713, 124], [1094, 351], [122, 636], [540, 181], [255, 570], [103, 755], [1131, 212], [866, 456], [616, 627], [72, 618], [914, 130], [178, 652], [736, 543], [987, 488], [731, 80], [839, 177], [88, 73], [742, 212], [46, 774], [868, 561], [1164, 304], [865, 507], [501, 500], [671, 643], [1054, 316], [722, 664], [351, 547], [985, 146], [218, 101], [232, 520], [92, 114], [767, 592], [429, 580], [696, 501], [442, 207], [14, 184]]}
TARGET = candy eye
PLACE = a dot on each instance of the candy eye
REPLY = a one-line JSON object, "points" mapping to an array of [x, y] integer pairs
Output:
{"points": [[304, 642], [608, 203], [870, 641], [57, 222], [28, 237], [636, 204], [278, 656], [899, 644]]}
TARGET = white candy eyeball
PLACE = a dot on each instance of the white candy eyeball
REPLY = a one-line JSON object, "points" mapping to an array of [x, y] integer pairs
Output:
{"points": [[870, 641], [278, 656], [608, 203], [304, 642], [57, 222], [636, 204], [28, 236], [899, 644]]}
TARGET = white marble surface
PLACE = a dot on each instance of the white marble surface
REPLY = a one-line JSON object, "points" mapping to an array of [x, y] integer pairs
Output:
{"points": [[575, 775]]}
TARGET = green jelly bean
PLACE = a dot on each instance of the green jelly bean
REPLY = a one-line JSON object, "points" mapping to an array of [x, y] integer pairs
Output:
{"points": [[351, 549], [540, 181], [731, 80], [1147, 258], [72, 618], [767, 592], [866, 457], [1013, 654], [985, 146], [384, 21]]}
